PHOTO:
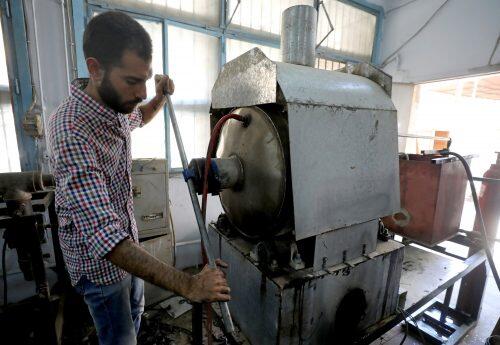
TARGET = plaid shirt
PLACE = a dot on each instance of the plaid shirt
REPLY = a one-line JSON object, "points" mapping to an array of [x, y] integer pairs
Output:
{"points": [[91, 161]]}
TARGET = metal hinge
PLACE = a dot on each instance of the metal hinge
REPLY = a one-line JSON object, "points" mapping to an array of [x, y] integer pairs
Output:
{"points": [[17, 88], [7, 9]]}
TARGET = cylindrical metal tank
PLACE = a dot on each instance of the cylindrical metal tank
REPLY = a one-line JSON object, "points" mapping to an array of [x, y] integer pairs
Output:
{"points": [[298, 35], [261, 204]]}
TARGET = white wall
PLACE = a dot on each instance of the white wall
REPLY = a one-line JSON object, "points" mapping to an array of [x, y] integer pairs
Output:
{"points": [[402, 97], [458, 41]]}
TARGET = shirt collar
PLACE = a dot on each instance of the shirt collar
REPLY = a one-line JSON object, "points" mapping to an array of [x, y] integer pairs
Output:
{"points": [[106, 113]]}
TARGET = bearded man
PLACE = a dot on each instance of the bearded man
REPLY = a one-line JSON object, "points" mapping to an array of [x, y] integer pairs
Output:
{"points": [[89, 140]]}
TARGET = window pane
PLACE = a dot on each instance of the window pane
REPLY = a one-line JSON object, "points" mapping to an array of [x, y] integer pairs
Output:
{"points": [[4, 78], [354, 30], [203, 11], [193, 64], [329, 65], [235, 48], [261, 16], [8, 140], [353, 36], [149, 141]]}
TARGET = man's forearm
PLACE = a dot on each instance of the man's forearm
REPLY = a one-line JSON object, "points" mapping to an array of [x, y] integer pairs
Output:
{"points": [[150, 109], [134, 259]]}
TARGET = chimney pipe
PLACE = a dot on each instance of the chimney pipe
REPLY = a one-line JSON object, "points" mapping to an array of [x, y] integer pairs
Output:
{"points": [[298, 35]]}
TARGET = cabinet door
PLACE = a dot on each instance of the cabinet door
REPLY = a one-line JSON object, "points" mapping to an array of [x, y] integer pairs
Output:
{"points": [[150, 201]]}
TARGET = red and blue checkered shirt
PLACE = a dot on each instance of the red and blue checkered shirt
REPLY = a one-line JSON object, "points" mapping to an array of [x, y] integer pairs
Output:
{"points": [[91, 161]]}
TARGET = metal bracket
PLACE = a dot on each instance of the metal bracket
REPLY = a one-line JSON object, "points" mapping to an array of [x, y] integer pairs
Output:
{"points": [[232, 15], [329, 22], [8, 13], [17, 88], [188, 174]]}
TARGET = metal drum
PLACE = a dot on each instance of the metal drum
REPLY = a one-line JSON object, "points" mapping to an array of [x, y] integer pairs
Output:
{"points": [[258, 207]]}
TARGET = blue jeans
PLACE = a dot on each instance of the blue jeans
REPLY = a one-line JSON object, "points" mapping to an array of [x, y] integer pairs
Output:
{"points": [[116, 309]]}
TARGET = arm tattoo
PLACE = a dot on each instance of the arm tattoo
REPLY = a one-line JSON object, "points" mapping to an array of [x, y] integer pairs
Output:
{"points": [[137, 261]]}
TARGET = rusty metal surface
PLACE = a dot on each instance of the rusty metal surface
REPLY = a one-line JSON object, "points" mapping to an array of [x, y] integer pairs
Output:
{"points": [[433, 194]]}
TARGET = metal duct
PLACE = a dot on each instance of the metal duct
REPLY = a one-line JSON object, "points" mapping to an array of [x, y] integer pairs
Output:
{"points": [[298, 35]]}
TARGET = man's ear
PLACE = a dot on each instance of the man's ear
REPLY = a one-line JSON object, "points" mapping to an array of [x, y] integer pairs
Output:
{"points": [[96, 72]]}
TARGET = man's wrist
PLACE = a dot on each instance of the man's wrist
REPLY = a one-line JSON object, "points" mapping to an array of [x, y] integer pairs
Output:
{"points": [[189, 286]]}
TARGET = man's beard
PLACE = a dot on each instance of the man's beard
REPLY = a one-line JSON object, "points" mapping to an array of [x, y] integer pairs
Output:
{"points": [[113, 100]]}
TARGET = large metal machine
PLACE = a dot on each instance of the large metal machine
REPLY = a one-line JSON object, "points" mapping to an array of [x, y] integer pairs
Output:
{"points": [[303, 181]]}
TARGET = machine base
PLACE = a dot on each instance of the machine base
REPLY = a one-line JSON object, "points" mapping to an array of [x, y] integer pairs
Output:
{"points": [[307, 306]]}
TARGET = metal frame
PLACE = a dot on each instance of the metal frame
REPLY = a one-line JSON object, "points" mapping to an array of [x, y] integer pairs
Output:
{"points": [[476, 265], [82, 9], [49, 309], [17, 57]]}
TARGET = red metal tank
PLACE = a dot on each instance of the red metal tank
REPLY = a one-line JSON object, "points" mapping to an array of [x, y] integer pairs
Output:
{"points": [[489, 200], [472, 287], [432, 198]]}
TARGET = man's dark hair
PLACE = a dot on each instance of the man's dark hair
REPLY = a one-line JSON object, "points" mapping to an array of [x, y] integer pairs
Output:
{"points": [[109, 34]]}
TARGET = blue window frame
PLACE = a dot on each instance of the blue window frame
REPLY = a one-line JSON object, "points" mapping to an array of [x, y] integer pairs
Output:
{"points": [[83, 9], [15, 40]]}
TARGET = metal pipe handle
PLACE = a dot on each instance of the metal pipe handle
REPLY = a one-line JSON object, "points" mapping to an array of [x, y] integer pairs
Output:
{"points": [[226, 315]]}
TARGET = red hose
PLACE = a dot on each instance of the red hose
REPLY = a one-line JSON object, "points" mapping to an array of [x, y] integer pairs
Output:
{"points": [[214, 137]]}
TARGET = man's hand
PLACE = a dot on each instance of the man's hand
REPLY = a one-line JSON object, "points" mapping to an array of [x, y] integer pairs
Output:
{"points": [[164, 85], [210, 285]]}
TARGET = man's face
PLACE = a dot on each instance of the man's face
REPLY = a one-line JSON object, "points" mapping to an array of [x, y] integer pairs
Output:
{"points": [[123, 87]]}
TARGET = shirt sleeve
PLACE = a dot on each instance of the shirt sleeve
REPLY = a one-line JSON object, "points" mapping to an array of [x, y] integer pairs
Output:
{"points": [[83, 184], [135, 119]]}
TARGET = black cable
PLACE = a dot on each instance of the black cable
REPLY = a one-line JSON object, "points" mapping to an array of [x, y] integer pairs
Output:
{"points": [[478, 213], [421, 335], [406, 316], [406, 332], [4, 272], [496, 339]]}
